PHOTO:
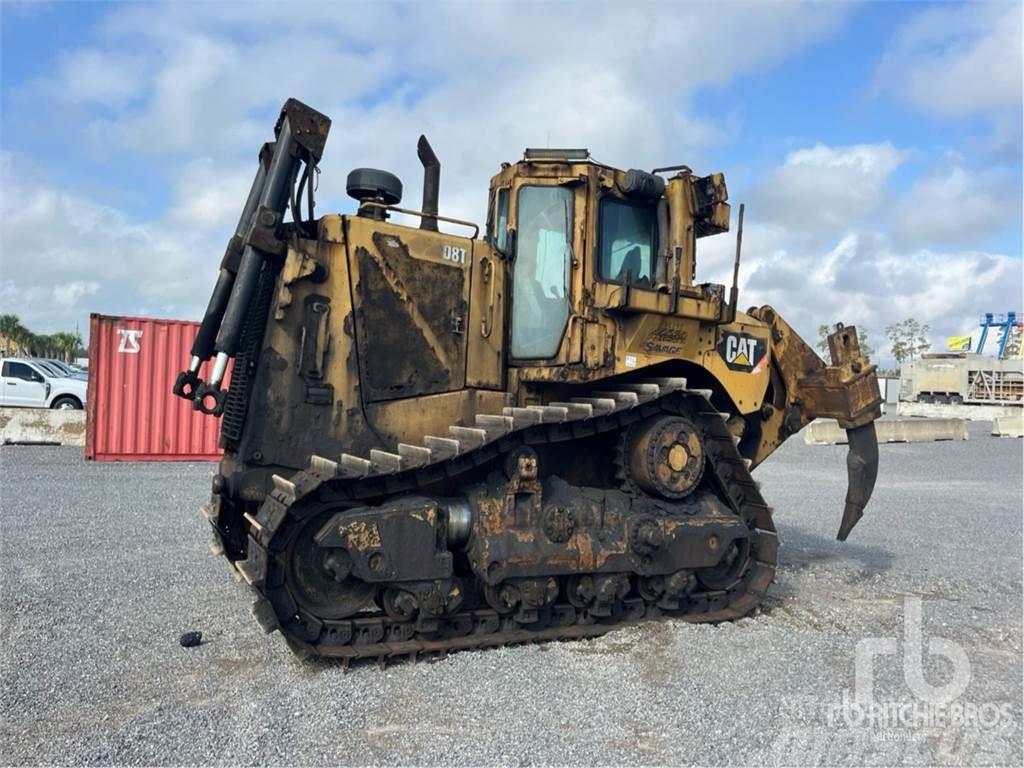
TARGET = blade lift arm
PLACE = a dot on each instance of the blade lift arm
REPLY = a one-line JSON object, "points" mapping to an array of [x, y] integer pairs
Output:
{"points": [[300, 135]]}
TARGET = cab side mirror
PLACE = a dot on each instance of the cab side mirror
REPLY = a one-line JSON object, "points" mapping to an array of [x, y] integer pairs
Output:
{"points": [[37, 376]]}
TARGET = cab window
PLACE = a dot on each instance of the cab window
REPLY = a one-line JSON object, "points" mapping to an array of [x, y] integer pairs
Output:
{"points": [[502, 230], [497, 218], [14, 370], [540, 298], [626, 242]]}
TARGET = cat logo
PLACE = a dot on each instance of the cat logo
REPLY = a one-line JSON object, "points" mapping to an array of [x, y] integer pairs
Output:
{"points": [[742, 352]]}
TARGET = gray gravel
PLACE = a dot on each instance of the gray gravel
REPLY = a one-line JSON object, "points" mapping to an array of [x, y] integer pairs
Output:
{"points": [[104, 566]]}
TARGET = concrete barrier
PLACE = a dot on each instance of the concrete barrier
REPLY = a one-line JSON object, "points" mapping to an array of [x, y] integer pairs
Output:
{"points": [[828, 431], [945, 411], [1008, 426], [28, 426]]}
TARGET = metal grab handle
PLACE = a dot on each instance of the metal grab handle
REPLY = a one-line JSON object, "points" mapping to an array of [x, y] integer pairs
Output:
{"points": [[421, 214], [487, 322]]}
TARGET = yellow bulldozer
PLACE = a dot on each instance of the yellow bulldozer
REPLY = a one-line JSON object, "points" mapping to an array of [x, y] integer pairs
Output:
{"points": [[541, 431]]}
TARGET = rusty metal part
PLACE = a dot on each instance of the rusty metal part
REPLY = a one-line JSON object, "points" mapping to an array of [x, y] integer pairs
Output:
{"points": [[846, 390], [529, 607], [399, 604], [665, 456], [728, 570], [862, 469], [320, 580]]}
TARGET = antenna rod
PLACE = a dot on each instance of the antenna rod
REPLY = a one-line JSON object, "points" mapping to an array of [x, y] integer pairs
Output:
{"points": [[734, 291]]}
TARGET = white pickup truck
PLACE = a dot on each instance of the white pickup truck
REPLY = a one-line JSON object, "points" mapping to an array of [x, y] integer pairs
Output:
{"points": [[27, 384]]}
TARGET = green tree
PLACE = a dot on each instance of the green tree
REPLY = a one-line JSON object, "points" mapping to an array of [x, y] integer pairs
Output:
{"points": [[862, 338], [66, 344], [9, 325], [21, 338], [908, 339], [41, 345]]}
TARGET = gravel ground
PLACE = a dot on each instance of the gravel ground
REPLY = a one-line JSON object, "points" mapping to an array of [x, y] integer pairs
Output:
{"points": [[104, 565]]}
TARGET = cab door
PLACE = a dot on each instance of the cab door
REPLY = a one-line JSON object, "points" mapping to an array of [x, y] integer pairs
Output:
{"points": [[22, 385], [542, 270]]}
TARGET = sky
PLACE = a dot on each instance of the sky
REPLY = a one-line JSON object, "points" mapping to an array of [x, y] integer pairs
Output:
{"points": [[877, 146]]}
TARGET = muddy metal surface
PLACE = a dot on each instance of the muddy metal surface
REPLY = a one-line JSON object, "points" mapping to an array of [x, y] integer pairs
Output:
{"points": [[103, 566]]}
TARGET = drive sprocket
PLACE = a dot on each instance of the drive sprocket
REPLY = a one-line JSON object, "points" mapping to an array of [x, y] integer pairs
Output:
{"points": [[664, 456]]}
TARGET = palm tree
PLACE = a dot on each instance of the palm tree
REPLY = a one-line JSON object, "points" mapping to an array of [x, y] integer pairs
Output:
{"points": [[66, 344], [39, 345], [9, 325], [21, 336], [60, 343]]}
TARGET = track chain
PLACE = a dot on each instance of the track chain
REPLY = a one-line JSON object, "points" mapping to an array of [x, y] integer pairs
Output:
{"points": [[375, 635]]}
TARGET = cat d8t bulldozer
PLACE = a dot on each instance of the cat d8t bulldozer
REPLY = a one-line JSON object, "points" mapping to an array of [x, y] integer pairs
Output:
{"points": [[540, 431]]}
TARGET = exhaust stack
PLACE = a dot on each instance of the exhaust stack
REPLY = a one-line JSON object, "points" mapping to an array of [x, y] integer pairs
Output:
{"points": [[431, 183]]}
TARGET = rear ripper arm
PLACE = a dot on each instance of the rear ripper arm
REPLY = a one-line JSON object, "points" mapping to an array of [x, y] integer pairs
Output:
{"points": [[804, 388]]}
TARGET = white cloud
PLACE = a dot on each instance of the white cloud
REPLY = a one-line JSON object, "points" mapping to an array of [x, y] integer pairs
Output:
{"points": [[821, 246], [193, 89], [956, 206], [205, 81], [67, 295], [824, 188], [63, 256], [210, 196], [109, 79], [482, 84], [957, 60]]}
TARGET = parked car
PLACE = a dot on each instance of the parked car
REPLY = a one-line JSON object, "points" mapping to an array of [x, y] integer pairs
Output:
{"points": [[63, 369], [48, 370], [29, 383]]}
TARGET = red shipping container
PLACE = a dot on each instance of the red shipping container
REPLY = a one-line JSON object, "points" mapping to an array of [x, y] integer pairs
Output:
{"points": [[131, 414]]}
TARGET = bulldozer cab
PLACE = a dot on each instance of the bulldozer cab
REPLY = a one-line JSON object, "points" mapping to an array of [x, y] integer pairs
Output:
{"points": [[582, 237]]}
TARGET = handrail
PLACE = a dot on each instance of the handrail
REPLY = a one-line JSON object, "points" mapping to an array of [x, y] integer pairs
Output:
{"points": [[422, 215]]}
